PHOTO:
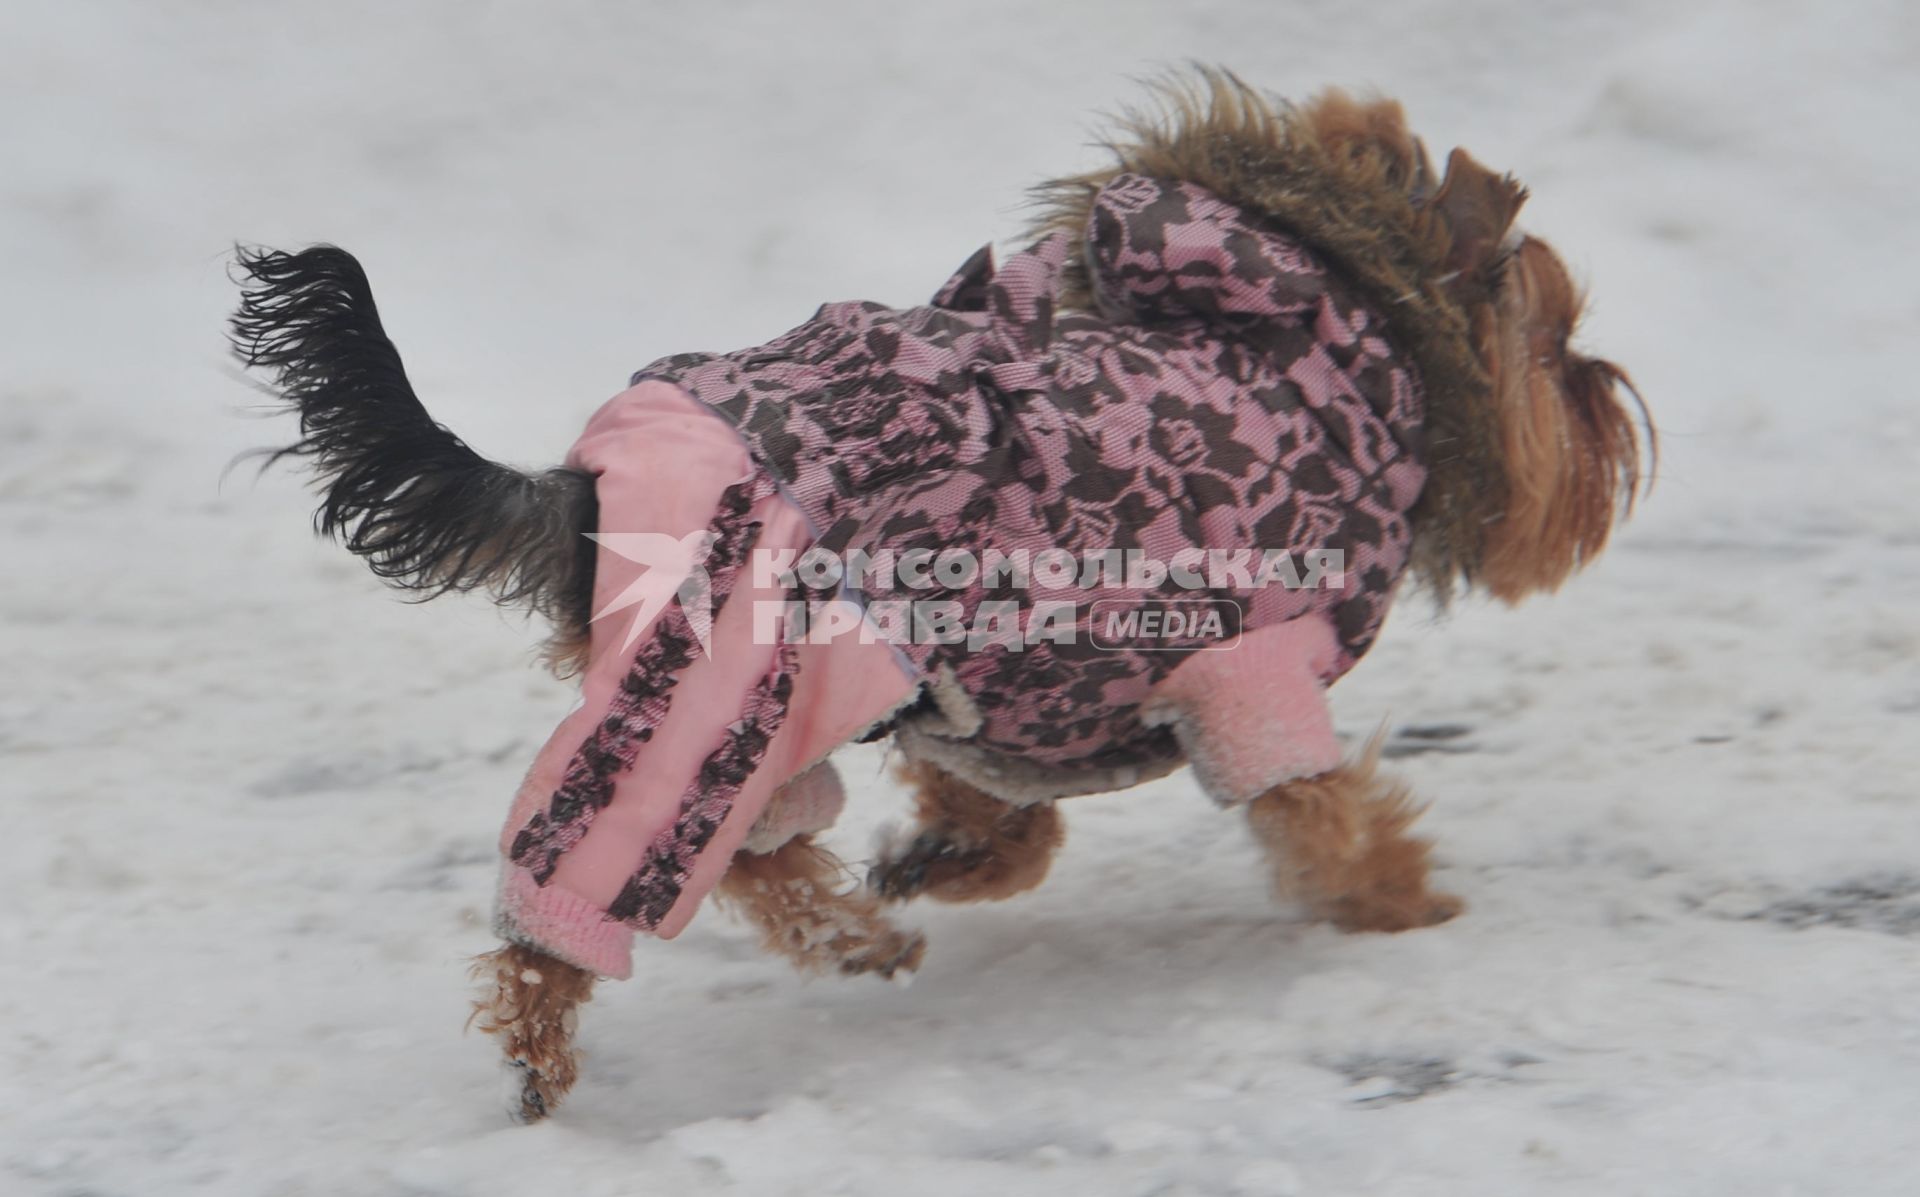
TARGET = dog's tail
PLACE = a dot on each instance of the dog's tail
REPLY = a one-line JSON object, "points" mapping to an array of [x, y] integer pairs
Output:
{"points": [[426, 512]]}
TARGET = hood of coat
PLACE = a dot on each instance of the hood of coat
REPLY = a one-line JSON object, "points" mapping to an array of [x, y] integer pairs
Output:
{"points": [[1346, 178]]}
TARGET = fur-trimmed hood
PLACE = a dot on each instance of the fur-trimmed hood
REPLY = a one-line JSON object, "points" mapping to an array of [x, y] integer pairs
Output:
{"points": [[1346, 178]]}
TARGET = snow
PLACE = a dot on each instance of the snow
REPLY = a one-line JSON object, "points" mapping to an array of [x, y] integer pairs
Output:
{"points": [[250, 800]]}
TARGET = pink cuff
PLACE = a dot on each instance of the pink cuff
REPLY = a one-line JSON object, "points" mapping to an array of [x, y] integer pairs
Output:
{"points": [[1254, 714], [561, 924]]}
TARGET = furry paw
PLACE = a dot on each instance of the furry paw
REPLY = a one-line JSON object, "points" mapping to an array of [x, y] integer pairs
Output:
{"points": [[928, 862], [530, 1005], [889, 952], [1387, 911], [531, 1095]]}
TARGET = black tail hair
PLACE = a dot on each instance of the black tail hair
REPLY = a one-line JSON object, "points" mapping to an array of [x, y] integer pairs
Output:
{"points": [[426, 512]]}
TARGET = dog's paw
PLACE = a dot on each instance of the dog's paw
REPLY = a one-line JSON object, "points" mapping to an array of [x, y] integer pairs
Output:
{"points": [[540, 1067], [530, 1095], [925, 863], [1386, 911], [884, 953]]}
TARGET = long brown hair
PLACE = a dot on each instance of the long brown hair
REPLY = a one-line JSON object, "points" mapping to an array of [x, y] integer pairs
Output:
{"points": [[1571, 447]]}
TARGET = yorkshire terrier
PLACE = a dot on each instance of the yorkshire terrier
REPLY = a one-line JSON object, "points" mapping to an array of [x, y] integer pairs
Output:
{"points": [[1266, 335]]}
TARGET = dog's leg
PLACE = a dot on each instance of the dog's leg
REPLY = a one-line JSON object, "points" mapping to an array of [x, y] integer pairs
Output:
{"points": [[1339, 842], [794, 896], [530, 1004], [968, 846]]}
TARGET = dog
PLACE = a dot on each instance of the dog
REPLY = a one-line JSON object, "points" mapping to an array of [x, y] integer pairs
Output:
{"points": [[1263, 325]]}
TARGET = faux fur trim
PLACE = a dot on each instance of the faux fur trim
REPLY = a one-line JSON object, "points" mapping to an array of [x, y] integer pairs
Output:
{"points": [[953, 713], [1013, 780], [1346, 178]]}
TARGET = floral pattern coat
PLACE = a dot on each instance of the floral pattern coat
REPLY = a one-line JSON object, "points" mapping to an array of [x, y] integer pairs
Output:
{"points": [[1229, 391]]}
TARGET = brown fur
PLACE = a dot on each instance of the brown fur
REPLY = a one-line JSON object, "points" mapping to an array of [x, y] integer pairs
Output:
{"points": [[1478, 208], [530, 1005], [1338, 842], [795, 896], [968, 845], [1347, 178], [1572, 451]]}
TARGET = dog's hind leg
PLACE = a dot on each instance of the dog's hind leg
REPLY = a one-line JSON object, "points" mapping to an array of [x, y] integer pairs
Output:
{"points": [[967, 846], [530, 1003], [1338, 841], [795, 896]]}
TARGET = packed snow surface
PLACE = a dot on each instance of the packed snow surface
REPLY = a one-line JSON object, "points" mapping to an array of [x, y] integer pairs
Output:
{"points": [[250, 800]]}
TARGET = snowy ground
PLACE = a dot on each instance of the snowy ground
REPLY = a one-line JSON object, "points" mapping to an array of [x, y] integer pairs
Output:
{"points": [[249, 800]]}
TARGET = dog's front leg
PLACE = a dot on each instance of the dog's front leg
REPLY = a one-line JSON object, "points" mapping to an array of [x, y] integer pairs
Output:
{"points": [[1339, 842], [530, 1003]]}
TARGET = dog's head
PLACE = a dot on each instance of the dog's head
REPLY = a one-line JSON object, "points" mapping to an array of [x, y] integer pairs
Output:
{"points": [[1571, 448], [1568, 447], [1531, 474]]}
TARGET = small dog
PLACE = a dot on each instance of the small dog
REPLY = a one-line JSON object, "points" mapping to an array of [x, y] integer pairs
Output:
{"points": [[1267, 328]]}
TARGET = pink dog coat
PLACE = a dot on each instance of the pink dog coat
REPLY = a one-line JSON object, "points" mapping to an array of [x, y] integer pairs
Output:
{"points": [[1231, 394]]}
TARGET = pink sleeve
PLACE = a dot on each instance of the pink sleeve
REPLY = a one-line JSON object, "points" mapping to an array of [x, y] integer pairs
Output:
{"points": [[1254, 714]]}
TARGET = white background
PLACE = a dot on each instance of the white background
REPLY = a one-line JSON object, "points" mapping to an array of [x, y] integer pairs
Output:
{"points": [[249, 800]]}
